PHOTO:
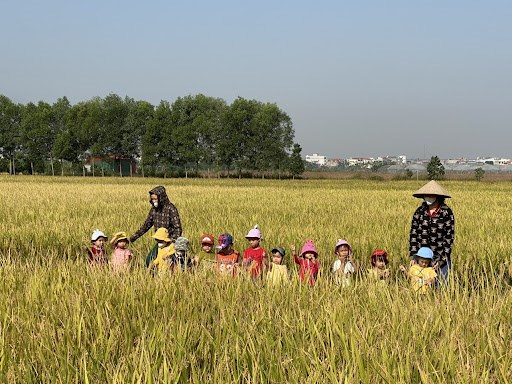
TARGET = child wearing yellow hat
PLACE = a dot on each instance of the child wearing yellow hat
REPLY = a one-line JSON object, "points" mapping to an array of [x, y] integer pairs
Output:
{"points": [[121, 255], [166, 249]]}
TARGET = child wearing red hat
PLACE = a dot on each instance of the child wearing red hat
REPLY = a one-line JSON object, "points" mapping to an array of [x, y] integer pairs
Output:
{"points": [[309, 265], [206, 255], [379, 271]]}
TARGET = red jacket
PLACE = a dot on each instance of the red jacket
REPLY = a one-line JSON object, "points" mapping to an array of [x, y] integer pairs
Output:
{"points": [[307, 267]]}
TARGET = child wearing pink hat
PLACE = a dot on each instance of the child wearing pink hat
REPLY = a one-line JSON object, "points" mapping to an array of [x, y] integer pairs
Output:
{"points": [[344, 267], [255, 258], [309, 265]]}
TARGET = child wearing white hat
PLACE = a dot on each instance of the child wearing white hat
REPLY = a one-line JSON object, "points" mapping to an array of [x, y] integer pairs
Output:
{"points": [[97, 254], [255, 258]]}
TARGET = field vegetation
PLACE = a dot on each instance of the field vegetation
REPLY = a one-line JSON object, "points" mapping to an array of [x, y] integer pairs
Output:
{"points": [[61, 321]]}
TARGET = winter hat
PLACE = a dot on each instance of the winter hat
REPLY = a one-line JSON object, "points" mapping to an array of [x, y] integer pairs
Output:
{"points": [[379, 253], [279, 250], [309, 247], [97, 234], [425, 253], [224, 241], [181, 244], [254, 233], [343, 242], [162, 234], [120, 236], [207, 239], [431, 188]]}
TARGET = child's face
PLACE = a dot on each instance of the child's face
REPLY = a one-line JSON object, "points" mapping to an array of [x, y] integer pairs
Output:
{"points": [[380, 263], [100, 242], [122, 244], [424, 263], [309, 255], [206, 247], [342, 252], [254, 242], [277, 258]]}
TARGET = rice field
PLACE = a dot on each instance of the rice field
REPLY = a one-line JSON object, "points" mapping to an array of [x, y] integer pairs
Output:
{"points": [[62, 322]]}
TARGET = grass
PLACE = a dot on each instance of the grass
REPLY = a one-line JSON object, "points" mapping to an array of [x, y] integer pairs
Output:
{"points": [[60, 321]]}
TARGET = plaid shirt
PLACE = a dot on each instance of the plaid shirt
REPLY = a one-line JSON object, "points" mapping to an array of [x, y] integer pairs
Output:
{"points": [[436, 232], [165, 215]]}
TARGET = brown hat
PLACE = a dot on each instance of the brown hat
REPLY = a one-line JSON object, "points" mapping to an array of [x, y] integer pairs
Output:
{"points": [[431, 188]]}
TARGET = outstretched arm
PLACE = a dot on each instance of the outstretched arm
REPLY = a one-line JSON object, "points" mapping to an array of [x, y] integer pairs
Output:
{"points": [[144, 228]]}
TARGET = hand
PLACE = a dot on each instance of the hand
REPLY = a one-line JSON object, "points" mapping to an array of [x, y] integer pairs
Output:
{"points": [[411, 263], [402, 268]]}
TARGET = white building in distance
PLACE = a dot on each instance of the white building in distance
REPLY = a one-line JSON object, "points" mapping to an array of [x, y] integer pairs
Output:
{"points": [[317, 159]]}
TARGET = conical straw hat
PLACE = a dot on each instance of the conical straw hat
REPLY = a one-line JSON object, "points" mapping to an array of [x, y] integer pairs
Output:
{"points": [[431, 188]]}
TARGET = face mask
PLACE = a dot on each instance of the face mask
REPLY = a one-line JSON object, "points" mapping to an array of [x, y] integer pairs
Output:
{"points": [[430, 200], [161, 245], [155, 205]]}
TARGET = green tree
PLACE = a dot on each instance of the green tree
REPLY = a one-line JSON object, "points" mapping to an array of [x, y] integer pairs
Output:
{"points": [[296, 163], [435, 168], [479, 173], [10, 130], [196, 119]]}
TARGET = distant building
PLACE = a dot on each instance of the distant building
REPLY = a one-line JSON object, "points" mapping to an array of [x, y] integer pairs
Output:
{"points": [[334, 162], [317, 159]]}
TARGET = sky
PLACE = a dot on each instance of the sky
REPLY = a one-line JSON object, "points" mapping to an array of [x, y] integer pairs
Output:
{"points": [[358, 78]]}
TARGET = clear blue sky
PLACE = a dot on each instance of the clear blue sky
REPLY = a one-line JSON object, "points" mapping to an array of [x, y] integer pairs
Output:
{"points": [[358, 78]]}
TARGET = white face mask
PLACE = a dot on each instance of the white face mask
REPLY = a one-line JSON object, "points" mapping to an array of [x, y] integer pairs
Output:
{"points": [[155, 205], [161, 245], [430, 200]]}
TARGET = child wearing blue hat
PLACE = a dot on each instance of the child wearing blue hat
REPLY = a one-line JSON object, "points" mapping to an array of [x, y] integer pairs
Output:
{"points": [[422, 274]]}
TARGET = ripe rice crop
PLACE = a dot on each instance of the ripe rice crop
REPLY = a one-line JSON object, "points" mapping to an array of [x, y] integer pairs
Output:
{"points": [[60, 321]]}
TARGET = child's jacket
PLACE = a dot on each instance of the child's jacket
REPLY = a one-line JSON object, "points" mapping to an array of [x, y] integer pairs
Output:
{"points": [[420, 278], [307, 268]]}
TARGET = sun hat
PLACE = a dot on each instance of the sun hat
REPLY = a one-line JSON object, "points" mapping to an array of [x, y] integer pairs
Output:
{"points": [[207, 239], [120, 236], [162, 234], [181, 244], [309, 247], [279, 250], [254, 233], [379, 253], [340, 243], [425, 253], [225, 240], [97, 234], [431, 188]]}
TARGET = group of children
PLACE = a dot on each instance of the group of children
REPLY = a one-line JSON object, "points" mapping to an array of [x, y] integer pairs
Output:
{"points": [[175, 256]]}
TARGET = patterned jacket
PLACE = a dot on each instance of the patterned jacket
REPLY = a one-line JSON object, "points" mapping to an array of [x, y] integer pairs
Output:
{"points": [[165, 215], [436, 232]]}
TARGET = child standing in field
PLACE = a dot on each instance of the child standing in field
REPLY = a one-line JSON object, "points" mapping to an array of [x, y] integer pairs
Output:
{"points": [[227, 257], [344, 267], [180, 259], [278, 272], [166, 250], [309, 266], [255, 258], [206, 254], [121, 255], [379, 271], [97, 254], [421, 274]]}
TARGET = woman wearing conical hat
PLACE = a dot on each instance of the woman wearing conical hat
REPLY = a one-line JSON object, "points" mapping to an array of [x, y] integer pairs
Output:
{"points": [[433, 226]]}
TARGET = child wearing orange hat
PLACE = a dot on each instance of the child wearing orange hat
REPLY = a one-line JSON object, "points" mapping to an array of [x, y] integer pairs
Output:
{"points": [[309, 266], [121, 255]]}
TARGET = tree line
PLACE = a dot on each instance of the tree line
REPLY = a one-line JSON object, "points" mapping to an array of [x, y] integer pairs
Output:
{"points": [[193, 133]]}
